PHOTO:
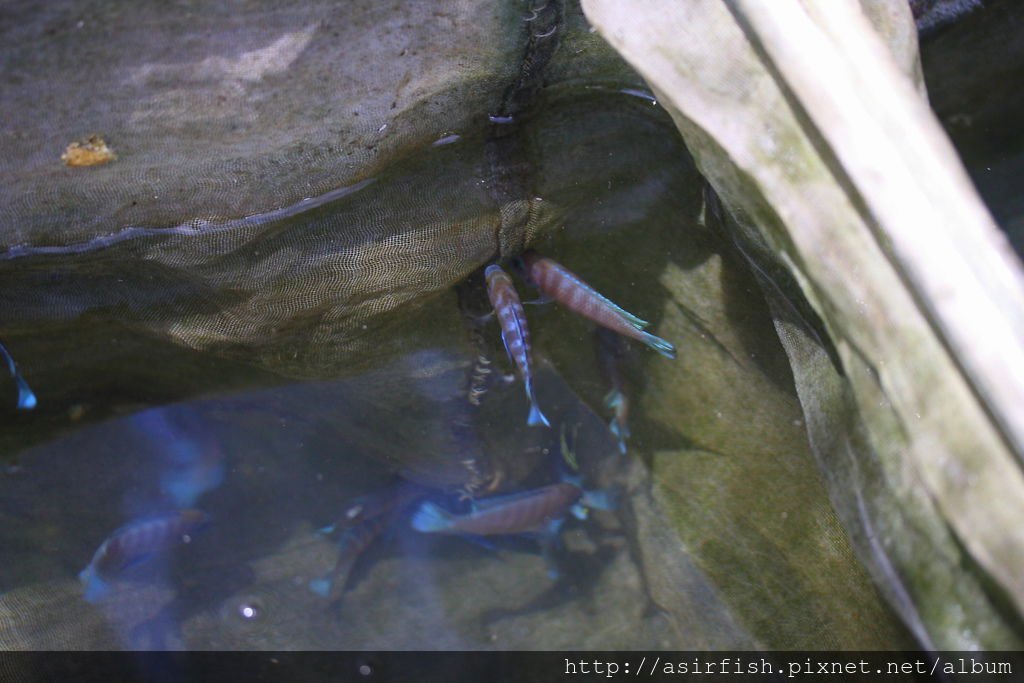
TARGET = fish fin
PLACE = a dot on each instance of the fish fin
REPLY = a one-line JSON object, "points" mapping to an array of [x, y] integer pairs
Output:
{"points": [[572, 478], [95, 588], [9, 359], [321, 586], [601, 499], [542, 300], [548, 548], [551, 530], [430, 518], [536, 417], [658, 344], [619, 428], [26, 398], [635, 321], [326, 530], [578, 511], [613, 399], [620, 438], [481, 542]]}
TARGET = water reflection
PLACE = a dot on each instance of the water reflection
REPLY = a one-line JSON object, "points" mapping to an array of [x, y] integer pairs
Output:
{"points": [[268, 469]]}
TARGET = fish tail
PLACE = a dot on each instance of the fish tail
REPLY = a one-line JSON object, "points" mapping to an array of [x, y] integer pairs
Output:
{"points": [[321, 586], [613, 399], [536, 417], [430, 518], [658, 344], [95, 588], [620, 433], [26, 398], [601, 499]]}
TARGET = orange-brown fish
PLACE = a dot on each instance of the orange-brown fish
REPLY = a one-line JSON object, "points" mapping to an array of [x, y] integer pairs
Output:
{"points": [[136, 542], [514, 332], [351, 543], [515, 513], [565, 287]]}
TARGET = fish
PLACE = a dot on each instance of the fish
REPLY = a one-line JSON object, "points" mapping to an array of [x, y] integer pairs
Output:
{"points": [[376, 504], [611, 352], [26, 397], [363, 521], [135, 543], [191, 455], [514, 333], [352, 542], [516, 513], [565, 287]]}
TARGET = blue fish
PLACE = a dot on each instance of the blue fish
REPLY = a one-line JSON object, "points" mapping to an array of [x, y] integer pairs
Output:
{"points": [[26, 398], [135, 543], [514, 333], [193, 457]]}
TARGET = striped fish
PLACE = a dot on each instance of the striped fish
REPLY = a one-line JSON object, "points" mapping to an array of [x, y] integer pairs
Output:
{"points": [[512, 514], [565, 287], [514, 332], [355, 539], [136, 542]]}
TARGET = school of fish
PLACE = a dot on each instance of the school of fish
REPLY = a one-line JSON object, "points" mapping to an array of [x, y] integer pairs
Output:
{"points": [[193, 467]]}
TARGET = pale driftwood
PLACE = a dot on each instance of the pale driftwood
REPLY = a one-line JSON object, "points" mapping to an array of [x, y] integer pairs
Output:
{"points": [[801, 119]]}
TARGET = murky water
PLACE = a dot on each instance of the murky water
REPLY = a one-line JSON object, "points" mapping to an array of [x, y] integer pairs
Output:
{"points": [[285, 371], [270, 466]]}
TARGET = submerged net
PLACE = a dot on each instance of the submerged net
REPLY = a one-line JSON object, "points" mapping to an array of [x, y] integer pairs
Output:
{"points": [[293, 191]]}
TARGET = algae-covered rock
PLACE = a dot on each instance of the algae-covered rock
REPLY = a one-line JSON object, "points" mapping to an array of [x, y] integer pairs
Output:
{"points": [[309, 190]]}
